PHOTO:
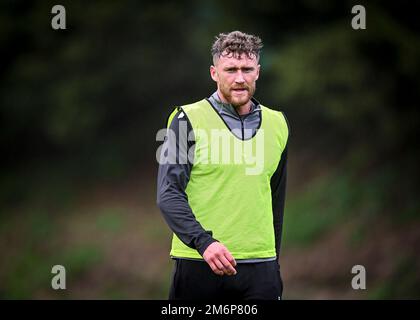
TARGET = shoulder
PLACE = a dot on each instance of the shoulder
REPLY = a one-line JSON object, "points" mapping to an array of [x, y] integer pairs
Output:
{"points": [[195, 106], [279, 115], [182, 112]]}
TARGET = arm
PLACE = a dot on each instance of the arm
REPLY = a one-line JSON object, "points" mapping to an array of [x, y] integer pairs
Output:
{"points": [[278, 194], [173, 200], [171, 184]]}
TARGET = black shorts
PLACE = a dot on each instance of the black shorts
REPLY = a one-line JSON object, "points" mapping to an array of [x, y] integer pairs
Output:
{"points": [[194, 280]]}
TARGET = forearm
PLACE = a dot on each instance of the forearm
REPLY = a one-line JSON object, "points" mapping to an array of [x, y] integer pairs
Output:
{"points": [[173, 203]]}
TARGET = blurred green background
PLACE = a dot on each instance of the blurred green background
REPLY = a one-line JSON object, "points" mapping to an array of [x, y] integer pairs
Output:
{"points": [[80, 109]]}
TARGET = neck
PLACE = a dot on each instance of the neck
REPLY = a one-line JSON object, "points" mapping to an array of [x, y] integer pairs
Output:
{"points": [[244, 109], [241, 110]]}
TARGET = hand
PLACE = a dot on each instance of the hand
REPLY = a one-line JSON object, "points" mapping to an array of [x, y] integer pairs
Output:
{"points": [[220, 259]]}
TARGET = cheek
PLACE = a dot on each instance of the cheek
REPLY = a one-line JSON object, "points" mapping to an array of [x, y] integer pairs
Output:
{"points": [[226, 81], [251, 78]]}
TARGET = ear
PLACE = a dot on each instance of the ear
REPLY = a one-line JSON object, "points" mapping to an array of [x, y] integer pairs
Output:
{"points": [[213, 73], [258, 72]]}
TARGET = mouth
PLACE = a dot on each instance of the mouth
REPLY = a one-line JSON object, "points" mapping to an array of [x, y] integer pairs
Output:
{"points": [[240, 90]]}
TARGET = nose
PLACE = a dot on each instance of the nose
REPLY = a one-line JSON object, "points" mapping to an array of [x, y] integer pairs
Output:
{"points": [[239, 77]]}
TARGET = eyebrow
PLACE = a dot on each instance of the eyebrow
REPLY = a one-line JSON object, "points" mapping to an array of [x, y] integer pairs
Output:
{"points": [[236, 68]]}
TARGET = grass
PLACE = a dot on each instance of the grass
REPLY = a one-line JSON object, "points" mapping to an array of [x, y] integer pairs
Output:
{"points": [[29, 271], [111, 220], [341, 196], [404, 283], [43, 225], [310, 214]]}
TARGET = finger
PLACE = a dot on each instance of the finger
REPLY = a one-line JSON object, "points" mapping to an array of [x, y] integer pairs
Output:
{"points": [[230, 258], [220, 266], [228, 266], [215, 269]]}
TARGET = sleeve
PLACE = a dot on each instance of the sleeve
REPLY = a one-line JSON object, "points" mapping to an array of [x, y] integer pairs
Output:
{"points": [[278, 195], [173, 177]]}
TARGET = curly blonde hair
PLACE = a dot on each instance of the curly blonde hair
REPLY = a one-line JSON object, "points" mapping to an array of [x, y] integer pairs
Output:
{"points": [[236, 43]]}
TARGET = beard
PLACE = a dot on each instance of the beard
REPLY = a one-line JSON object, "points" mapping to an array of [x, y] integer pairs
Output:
{"points": [[238, 99]]}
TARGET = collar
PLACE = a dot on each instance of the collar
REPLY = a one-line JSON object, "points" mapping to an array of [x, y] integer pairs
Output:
{"points": [[228, 109]]}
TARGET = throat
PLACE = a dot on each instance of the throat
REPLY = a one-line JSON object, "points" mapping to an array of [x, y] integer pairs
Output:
{"points": [[245, 109]]}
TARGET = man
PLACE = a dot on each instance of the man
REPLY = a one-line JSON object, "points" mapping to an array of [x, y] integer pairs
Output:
{"points": [[227, 220]]}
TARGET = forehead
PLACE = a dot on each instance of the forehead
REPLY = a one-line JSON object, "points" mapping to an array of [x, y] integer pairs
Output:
{"points": [[239, 61]]}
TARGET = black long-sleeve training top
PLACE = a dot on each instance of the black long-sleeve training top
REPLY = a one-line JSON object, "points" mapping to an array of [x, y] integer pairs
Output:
{"points": [[173, 177]]}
